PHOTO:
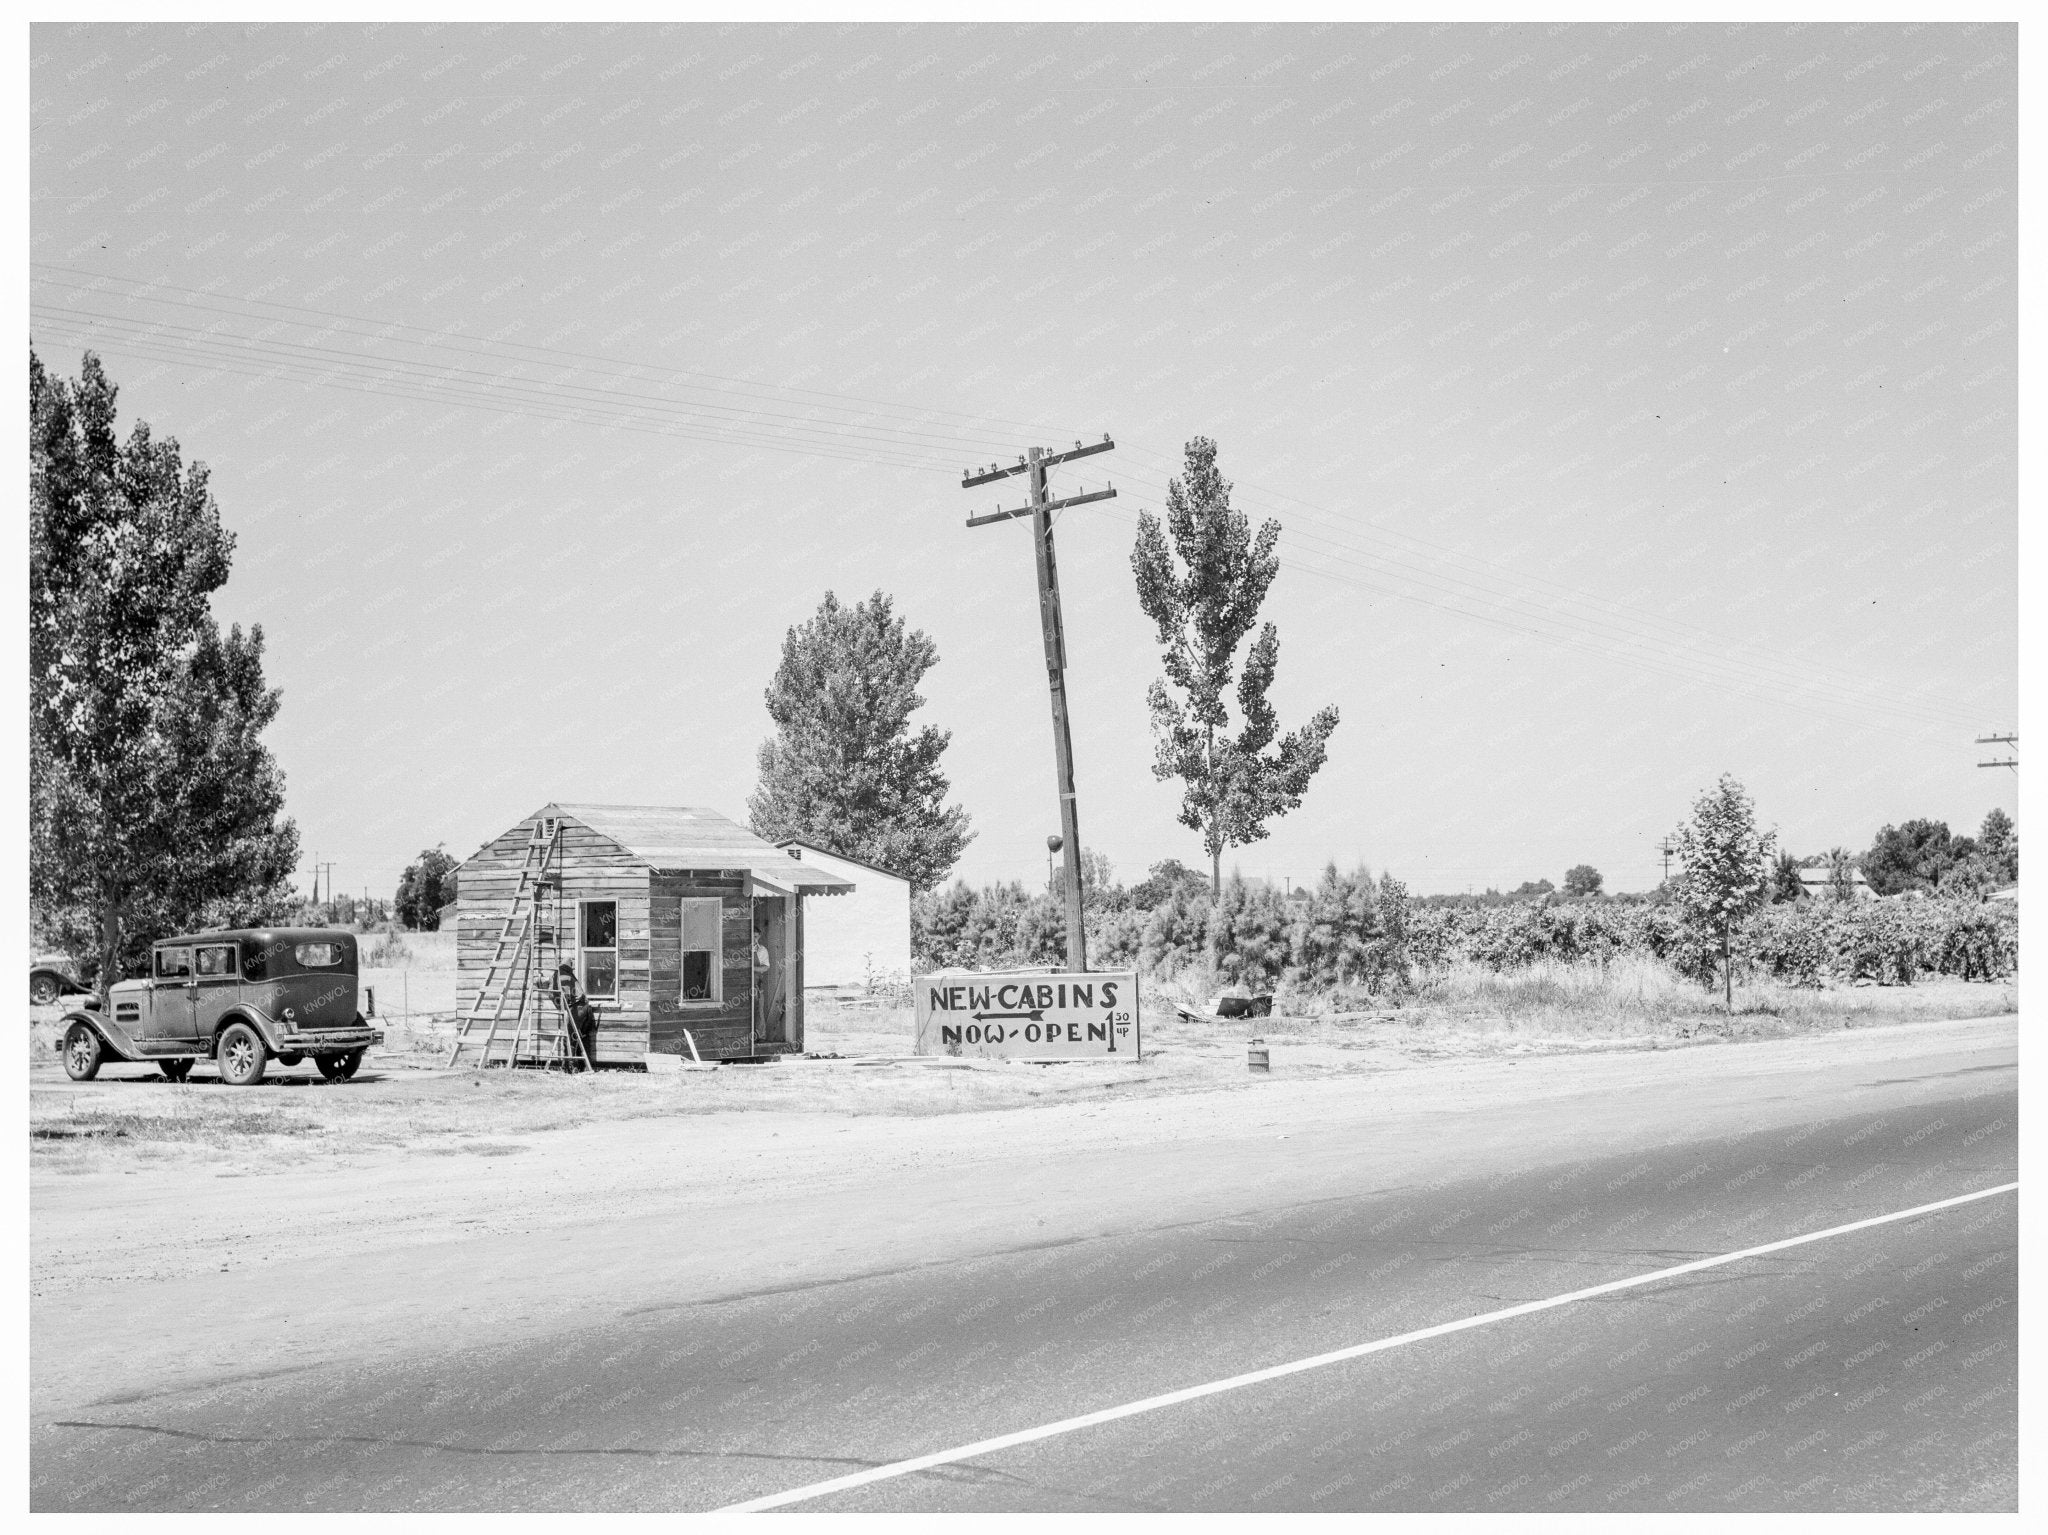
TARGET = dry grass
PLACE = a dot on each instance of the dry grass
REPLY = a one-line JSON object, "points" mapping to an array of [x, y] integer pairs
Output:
{"points": [[1636, 996], [406, 1100]]}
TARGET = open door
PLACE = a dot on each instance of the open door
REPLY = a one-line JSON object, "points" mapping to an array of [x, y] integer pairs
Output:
{"points": [[771, 970]]}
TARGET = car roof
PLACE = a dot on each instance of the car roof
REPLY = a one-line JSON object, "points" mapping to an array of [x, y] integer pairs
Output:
{"points": [[262, 935]]}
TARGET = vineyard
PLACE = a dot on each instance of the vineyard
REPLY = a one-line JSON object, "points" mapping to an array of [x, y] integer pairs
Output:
{"points": [[1354, 934]]}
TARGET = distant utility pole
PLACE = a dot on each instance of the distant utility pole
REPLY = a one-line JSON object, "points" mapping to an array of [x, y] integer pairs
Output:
{"points": [[1667, 850], [1033, 465], [2012, 762]]}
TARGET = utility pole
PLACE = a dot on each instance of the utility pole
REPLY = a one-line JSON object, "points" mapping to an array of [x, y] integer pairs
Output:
{"points": [[1033, 465], [1667, 850], [2012, 762]]}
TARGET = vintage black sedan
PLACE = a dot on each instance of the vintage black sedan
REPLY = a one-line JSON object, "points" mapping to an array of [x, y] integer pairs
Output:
{"points": [[241, 999]]}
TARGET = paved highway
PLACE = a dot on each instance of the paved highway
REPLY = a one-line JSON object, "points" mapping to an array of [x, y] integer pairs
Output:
{"points": [[1871, 1370]]}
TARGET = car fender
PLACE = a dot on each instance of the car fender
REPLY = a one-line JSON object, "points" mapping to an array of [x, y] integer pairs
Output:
{"points": [[111, 1034], [267, 1028]]}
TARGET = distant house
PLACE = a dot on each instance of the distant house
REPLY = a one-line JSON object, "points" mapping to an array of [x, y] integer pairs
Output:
{"points": [[865, 933], [658, 909], [1820, 884]]}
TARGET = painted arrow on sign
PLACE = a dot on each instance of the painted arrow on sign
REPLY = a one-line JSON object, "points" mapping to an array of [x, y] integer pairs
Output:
{"points": [[1036, 1016]]}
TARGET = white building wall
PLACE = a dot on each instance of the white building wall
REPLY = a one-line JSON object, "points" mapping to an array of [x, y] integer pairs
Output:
{"points": [[848, 936]]}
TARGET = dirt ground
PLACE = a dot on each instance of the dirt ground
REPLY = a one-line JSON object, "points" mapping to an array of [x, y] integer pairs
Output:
{"points": [[417, 1203], [407, 1100]]}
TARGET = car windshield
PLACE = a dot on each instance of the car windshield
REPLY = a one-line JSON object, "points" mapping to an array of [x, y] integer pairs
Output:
{"points": [[318, 956]]}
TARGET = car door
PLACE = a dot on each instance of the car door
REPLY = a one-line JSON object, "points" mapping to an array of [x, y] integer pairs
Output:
{"points": [[172, 990], [215, 986]]}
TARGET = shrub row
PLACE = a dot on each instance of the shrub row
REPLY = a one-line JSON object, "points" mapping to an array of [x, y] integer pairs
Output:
{"points": [[1355, 932]]}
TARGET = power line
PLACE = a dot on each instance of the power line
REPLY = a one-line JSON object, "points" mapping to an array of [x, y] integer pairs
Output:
{"points": [[500, 392], [1699, 649], [1704, 672], [497, 346], [1629, 626], [614, 408]]}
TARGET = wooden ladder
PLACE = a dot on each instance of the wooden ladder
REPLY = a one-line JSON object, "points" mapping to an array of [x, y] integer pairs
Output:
{"points": [[559, 1046]]}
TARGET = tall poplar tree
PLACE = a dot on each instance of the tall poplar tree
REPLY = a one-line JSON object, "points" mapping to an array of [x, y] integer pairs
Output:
{"points": [[844, 770], [153, 803], [1204, 593]]}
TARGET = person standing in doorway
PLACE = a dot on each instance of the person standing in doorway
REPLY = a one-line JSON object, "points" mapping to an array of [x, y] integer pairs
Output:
{"points": [[767, 983], [577, 1012]]}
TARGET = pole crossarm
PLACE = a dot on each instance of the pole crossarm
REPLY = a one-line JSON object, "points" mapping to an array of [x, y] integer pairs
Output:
{"points": [[2012, 762], [1050, 506], [1022, 466]]}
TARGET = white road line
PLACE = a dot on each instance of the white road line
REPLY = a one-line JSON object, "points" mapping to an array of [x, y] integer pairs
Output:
{"points": [[1316, 1362]]}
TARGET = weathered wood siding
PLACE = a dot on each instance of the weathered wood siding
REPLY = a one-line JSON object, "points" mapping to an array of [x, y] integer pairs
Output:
{"points": [[724, 1028], [591, 868]]}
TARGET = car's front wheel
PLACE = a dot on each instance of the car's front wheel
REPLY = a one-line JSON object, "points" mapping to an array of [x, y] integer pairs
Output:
{"points": [[42, 990], [241, 1056], [83, 1053], [177, 1071], [339, 1068]]}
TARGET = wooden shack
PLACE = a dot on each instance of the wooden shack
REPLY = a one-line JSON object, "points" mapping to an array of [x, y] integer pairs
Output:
{"points": [[658, 909]]}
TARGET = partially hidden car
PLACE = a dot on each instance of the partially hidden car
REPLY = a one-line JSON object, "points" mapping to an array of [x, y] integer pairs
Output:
{"points": [[241, 999], [51, 976]]}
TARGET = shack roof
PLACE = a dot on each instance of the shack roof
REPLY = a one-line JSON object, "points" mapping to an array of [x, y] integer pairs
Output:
{"points": [[811, 847], [688, 837]]}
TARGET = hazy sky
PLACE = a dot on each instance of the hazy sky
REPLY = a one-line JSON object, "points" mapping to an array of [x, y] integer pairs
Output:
{"points": [[1638, 403]]}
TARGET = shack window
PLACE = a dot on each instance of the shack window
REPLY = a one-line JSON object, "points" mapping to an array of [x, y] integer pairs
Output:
{"points": [[702, 918], [598, 948]]}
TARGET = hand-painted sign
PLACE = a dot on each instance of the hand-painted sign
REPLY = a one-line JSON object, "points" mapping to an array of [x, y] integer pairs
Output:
{"points": [[1029, 1015]]}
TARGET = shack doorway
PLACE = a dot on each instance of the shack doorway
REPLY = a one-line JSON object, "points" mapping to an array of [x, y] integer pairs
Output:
{"points": [[771, 970]]}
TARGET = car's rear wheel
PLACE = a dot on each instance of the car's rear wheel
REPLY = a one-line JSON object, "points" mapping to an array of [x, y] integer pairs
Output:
{"points": [[177, 1071], [83, 1053], [42, 990], [339, 1068], [241, 1056]]}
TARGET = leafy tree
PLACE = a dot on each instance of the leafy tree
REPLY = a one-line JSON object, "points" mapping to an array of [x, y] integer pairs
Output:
{"points": [[1163, 878], [1354, 932], [844, 769], [1532, 890], [1582, 879], [1998, 840], [1248, 934], [1972, 877], [1726, 868], [1912, 856], [1841, 866], [1098, 884], [427, 885], [1204, 595], [1176, 930], [153, 804], [1786, 884]]}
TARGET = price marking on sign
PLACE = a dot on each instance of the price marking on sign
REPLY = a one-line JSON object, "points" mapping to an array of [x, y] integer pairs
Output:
{"points": [[1029, 1015]]}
